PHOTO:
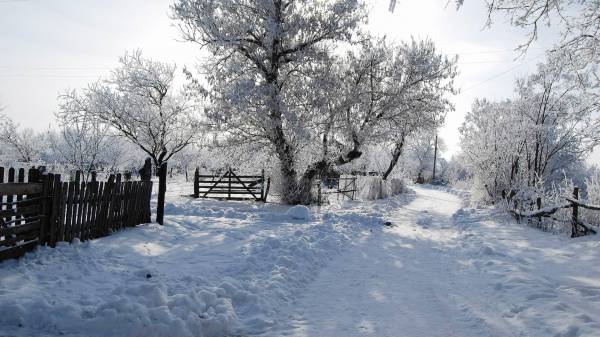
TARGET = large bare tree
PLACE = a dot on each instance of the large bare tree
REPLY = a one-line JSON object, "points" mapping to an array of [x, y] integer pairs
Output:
{"points": [[138, 102]]}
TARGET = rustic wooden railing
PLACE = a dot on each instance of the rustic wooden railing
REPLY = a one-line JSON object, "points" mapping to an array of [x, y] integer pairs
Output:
{"points": [[230, 186], [44, 210], [578, 228]]}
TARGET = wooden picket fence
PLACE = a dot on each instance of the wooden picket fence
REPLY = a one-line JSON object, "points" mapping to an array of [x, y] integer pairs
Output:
{"points": [[44, 210]]}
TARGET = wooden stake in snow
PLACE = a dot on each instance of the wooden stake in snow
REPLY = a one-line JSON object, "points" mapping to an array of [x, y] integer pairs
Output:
{"points": [[162, 188], [434, 158]]}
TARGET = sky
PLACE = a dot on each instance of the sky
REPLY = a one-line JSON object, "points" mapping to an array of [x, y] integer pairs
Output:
{"points": [[48, 47]]}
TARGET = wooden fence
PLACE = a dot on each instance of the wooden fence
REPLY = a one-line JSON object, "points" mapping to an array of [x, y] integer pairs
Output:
{"points": [[578, 228], [230, 186], [44, 210]]}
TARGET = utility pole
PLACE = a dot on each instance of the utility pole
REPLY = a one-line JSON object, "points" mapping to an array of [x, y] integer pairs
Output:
{"points": [[392, 5], [434, 158]]}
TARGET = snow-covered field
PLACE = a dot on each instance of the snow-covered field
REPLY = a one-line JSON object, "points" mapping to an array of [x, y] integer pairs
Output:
{"points": [[251, 269]]}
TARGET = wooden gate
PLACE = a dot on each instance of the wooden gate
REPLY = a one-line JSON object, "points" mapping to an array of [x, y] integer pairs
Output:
{"points": [[342, 186], [230, 186]]}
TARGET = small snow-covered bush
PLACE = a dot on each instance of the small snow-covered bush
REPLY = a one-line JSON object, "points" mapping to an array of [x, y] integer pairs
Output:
{"points": [[374, 188]]}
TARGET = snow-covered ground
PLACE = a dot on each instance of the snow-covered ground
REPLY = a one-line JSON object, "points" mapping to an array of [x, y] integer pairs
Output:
{"points": [[251, 269]]}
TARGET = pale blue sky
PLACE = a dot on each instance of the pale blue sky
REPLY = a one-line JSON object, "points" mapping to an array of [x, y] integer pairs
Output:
{"points": [[49, 46]]}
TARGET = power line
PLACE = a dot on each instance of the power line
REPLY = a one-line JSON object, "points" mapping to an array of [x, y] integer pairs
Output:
{"points": [[503, 73], [492, 51], [486, 62]]}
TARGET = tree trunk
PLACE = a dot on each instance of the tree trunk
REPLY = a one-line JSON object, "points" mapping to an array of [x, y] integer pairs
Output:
{"points": [[287, 163], [306, 182], [396, 153], [351, 155]]}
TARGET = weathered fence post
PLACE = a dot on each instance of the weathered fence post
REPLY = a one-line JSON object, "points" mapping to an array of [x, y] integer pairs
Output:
{"points": [[94, 176], [575, 215], [197, 183], [538, 202], [78, 176], [146, 175], [229, 184], [262, 189], [56, 194], [162, 189], [319, 194], [268, 187]]}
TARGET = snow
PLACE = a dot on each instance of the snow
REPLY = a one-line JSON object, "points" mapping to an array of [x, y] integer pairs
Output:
{"points": [[250, 269], [299, 212]]}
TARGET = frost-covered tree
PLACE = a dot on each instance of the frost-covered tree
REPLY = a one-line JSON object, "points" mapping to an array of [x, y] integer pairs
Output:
{"points": [[578, 21], [391, 91], [22, 145], [84, 144], [516, 145], [263, 54], [386, 93], [138, 102]]}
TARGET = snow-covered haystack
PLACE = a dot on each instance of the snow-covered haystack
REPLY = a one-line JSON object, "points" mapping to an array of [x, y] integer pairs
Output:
{"points": [[398, 186], [299, 212], [374, 188]]}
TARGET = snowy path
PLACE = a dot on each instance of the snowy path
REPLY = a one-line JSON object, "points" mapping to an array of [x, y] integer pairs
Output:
{"points": [[235, 269], [443, 270], [395, 282]]}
